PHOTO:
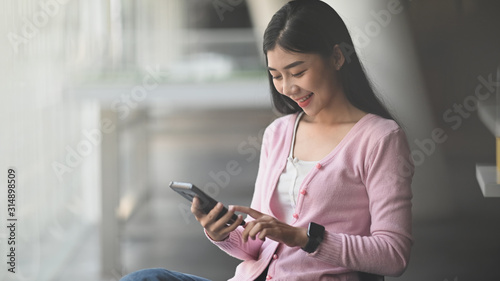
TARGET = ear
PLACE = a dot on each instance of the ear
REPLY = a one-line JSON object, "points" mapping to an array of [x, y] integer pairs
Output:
{"points": [[338, 57]]}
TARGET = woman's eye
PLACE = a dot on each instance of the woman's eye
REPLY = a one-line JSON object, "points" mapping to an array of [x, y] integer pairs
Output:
{"points": [[276, 77], [298, 74]]}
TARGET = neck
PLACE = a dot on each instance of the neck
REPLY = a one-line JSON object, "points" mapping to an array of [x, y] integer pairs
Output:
{"points": [[340, 111]]}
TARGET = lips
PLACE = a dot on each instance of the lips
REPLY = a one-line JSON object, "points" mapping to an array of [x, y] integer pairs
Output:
{"points": [[304, 101]]}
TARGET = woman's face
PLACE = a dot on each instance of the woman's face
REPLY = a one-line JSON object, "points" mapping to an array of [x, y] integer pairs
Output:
{"points": [[308, 79]]}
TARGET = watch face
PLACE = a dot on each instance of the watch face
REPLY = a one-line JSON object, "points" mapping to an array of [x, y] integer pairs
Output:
{"points": [[315, 230]]}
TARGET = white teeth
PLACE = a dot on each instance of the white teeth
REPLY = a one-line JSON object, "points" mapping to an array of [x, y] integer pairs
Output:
{"points": [[304, 99]]}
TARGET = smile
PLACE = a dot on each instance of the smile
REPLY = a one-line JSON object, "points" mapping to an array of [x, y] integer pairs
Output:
{"points": [[305, 98]]}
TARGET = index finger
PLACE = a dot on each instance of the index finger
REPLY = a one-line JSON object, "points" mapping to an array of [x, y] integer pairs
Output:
{"points": [[249, 211]]}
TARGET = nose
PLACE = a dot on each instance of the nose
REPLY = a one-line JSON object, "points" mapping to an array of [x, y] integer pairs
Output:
{"points": [[289, 88]]}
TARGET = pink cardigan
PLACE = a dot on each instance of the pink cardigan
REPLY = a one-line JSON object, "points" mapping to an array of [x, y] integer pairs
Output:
{"points": [[360, 192]]}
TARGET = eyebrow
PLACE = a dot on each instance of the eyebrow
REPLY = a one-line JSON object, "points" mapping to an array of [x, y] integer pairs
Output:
{"points": [[293, 64]]}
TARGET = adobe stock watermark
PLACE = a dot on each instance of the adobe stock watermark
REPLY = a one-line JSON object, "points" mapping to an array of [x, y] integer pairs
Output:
{"points": [[128, 101], [221, 179], [222, 6], [32, 26], [454, 117], [122, 105]]}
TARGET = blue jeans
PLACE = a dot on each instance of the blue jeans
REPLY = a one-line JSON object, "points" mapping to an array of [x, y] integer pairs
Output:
{"points": [[160, 274]]}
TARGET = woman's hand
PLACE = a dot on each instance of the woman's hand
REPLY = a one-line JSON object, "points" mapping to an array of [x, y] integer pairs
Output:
{"points": [[218, 230], [266, 226]]}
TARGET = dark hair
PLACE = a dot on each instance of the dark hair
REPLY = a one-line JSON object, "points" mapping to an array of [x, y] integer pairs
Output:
{"points": [[312, 26]]}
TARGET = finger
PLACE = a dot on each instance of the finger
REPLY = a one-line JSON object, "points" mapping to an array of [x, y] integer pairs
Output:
{"points": [[223, 226], [234, 225], [228, 215], [212, 215], [248, 227], [195, 208], [210, 218], [252, 229], [249, 211], [224, 221], [264, 233], [259, 227]]}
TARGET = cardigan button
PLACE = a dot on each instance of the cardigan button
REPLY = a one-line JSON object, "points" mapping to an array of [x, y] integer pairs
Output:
{"points": [[275, 257], [269, 277], [295, 216], [318, 166], [303, 192]]}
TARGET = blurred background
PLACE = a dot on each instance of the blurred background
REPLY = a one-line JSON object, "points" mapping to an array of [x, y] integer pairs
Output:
{"points": [[104, 102]]}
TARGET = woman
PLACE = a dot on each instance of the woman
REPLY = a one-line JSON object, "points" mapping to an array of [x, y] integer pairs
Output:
{"points": [[332, 198]]}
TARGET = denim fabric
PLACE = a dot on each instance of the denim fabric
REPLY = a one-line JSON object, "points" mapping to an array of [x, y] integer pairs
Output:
{"points": [[160, 274]]}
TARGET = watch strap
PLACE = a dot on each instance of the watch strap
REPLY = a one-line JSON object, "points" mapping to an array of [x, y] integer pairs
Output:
{"points": [[315, 233]]}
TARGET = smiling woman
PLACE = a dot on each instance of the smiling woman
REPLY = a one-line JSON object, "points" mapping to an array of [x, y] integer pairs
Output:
{"points": [[330, 200], [306, 78], [321, 31]]}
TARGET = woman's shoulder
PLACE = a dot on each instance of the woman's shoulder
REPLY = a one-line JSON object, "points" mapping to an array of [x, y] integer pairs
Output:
{"points": [[375, 129], [379, 126]]}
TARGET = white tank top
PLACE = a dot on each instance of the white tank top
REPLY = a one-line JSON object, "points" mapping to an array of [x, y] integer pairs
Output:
{"points": [[290, 181]]}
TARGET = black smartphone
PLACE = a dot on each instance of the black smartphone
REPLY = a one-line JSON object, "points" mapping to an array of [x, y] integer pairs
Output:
{"points": [[189, 191]]}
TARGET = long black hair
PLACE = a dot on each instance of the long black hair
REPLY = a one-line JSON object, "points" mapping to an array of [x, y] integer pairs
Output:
{"points": [[312, 26]]}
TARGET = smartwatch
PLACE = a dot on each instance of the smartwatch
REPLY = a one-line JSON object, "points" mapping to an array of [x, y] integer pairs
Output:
{"points": [[315, 233]]}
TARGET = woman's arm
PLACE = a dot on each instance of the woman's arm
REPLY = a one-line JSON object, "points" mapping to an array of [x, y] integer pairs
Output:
{"points": [[233, 243], [236, 247], [388, 184]]}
